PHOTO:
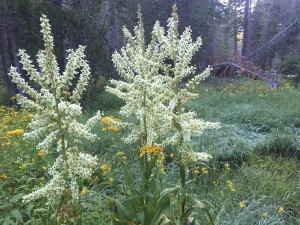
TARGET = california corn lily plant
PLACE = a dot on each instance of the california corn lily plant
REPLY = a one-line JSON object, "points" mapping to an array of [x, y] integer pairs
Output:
{"points": [[156, 97], [55, 109]]}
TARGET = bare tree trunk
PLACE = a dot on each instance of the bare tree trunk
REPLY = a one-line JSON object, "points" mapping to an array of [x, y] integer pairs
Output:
{"points": [[249, 28], [113, 33], [246, 38], [9, 52], [184, 13], [235, 33]]}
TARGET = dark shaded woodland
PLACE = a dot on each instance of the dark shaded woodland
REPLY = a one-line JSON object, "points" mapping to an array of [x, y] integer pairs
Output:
{"points": [[265, 32]]}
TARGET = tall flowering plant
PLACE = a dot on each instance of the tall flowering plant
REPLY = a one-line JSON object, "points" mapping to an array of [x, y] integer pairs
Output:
{"points": [[155, 94], [153, 86], [142, 88], [55, 111]]}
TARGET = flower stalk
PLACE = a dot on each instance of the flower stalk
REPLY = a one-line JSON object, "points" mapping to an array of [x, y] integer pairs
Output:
{"points": [[55, 119], [155, 95]]}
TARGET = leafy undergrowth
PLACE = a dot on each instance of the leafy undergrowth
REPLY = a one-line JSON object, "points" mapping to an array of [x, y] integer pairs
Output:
{"points": [[252, 179]]}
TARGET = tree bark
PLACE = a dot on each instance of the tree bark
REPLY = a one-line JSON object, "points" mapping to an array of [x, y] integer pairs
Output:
{"points": [[246, 37], [235, 33], [9, 54]]}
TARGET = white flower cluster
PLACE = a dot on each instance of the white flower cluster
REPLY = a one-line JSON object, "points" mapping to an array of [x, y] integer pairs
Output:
{"points": [[56, 110], [75, 167], [191, 158], [153, 87]]}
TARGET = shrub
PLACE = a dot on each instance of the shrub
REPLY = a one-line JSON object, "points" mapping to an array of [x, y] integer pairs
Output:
{"points": [[291, 67]]}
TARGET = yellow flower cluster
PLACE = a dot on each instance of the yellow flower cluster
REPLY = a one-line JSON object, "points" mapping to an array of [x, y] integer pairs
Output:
{"points": [[256, 87], [3, 177], [227, 166], [12, 124], [230, 186], [110, 120], [16, 132], [111, 128], [106, 169], [23, 166], [122, 156], [111, 180], [204, 170], [156, 152], [197, 170], [92, 165], [43, 152], [151, 150], [242, 205], [84, 191], [280, 210]]}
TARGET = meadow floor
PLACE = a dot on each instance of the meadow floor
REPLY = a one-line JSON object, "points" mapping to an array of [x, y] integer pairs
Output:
{"points": [[253, 178]]}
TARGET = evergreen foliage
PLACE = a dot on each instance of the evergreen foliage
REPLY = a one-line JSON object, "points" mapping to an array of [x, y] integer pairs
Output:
{"points": [[291, 66]]}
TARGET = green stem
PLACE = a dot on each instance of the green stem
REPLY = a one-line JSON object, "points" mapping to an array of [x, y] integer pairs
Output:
{"points": [[210, 217]]}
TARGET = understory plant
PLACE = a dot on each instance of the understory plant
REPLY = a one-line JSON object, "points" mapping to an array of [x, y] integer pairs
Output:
{"points": [[156, 97], [56, 108]]}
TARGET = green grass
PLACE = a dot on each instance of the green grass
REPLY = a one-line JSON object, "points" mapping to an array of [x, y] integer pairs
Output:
{"points": [[259, 138]]}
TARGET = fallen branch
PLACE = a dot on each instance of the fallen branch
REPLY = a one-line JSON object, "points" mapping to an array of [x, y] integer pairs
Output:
{"points": [[229, 68]]}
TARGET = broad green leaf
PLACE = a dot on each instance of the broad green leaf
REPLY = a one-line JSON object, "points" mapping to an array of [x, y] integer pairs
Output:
{"points": [[17, 214], [16, 198]]}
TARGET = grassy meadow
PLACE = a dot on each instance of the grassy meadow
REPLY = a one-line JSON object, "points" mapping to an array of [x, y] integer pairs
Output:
{"points": [[253, 177]]}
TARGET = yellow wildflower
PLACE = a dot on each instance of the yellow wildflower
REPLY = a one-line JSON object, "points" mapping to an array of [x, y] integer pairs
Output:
{"points": [[280, 210], [242, 205], [91, 165], [230, 186], [227, 166], [22, 167], [44, 167], [67, 93], [3, 177], [43, 152], [196, 172], [106, 169], [122, 156], [151, 150], [16, 132], [84, 191], [109, 119], [111, 128], [204, 170], [111, 180]]}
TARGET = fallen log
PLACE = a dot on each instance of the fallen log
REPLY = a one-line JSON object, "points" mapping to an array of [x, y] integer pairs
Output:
{"points": [[228, 69]]}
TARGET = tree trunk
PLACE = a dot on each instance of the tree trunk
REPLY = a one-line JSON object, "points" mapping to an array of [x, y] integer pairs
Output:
{"points": [[246, 37], [113, 33], [9, 52], [235, 33], [184, 13]]}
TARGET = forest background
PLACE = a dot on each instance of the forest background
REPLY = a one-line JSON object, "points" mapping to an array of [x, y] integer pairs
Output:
{"points": [[231, 30]]}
